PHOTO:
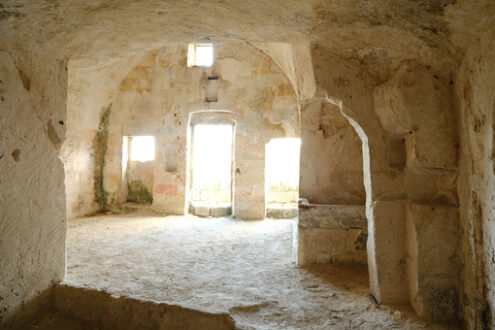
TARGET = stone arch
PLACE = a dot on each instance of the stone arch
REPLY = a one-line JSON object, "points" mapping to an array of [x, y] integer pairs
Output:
{"points": [[332, 218], [385, 248], [85, 103], [410, 183], [317, 74], [250, 85], [384, 213]]}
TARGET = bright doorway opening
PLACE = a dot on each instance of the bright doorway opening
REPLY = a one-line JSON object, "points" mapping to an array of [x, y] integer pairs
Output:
{"points": [[282, 177], [211, 169]]}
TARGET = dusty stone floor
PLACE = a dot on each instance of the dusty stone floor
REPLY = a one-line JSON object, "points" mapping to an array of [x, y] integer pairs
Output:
{"points": [[224, 265]]}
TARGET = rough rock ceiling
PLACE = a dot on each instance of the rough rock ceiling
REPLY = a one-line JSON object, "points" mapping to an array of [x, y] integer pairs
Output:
{"points": [[374, 32]]}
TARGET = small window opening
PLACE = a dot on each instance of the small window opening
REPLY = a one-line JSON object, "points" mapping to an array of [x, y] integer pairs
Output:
{"points": [[200, 55], [142, 148]]}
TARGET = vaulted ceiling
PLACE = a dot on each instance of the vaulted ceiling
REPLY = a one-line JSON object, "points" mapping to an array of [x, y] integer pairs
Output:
{"points": [[376, 33]]}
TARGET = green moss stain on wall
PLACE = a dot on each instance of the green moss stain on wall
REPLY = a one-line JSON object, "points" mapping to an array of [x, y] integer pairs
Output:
{"points": [[100, 143], [137, 193]]}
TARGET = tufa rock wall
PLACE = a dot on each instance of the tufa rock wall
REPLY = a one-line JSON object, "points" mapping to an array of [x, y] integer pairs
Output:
{"points": [[32, 212], [331, 157], [416, 106], [475, 93], [156, 98], [331, 233]]}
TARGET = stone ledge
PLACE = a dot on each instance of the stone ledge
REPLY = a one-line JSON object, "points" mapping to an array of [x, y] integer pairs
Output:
{"points": [[331, 233], [332, 216]]}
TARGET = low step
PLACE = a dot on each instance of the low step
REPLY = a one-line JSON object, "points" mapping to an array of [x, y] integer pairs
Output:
{"points": [[281, 212], [105, 311], [210, 211]]}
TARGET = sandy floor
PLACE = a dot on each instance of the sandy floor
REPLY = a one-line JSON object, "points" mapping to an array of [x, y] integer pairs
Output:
{"points": [[220, 264]]}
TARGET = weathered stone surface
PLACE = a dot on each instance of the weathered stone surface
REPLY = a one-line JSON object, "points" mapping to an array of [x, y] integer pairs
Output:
{"points": [[250, 87], [331, 157], [220, 211], [331, 233], [32, 206], [339, 52], [85, 99], [102, 309], [475, 94], [201, 210], [387, 251], [378, 34], [399, 104], [332, 216], [322, 245], [433, 260], [138, 181], [281, 212]]}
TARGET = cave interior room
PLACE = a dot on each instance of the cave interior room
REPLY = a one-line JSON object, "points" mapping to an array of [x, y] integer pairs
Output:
{"points": [[263, 164]]}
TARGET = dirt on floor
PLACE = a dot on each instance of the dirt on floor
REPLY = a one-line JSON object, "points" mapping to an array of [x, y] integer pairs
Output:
{"points": [[216, 265], [49, 319]]}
